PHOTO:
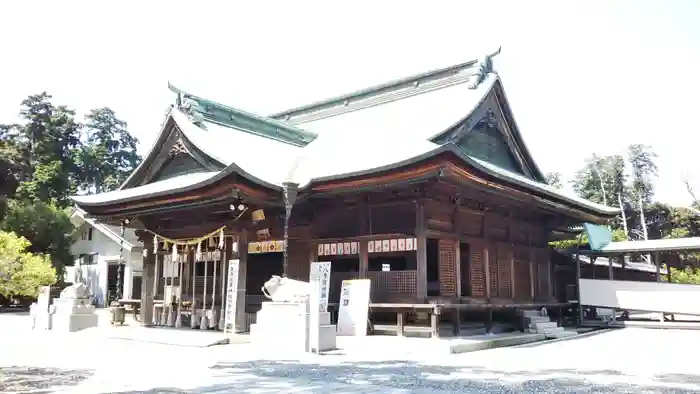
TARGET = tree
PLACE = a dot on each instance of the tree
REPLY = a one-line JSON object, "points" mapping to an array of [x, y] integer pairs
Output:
{"points": [[554, 179], [8, 166], [22, 272], [686, 275], [48, 229], [45, 146], [109, 153], [602, 179], [644, 170]]}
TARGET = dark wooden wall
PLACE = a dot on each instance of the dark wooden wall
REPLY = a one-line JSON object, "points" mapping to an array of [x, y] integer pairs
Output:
{"points": [[508, 259]]}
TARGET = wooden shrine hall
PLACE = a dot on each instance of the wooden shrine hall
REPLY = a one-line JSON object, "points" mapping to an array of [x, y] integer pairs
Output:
{"points": [[423, 185]]}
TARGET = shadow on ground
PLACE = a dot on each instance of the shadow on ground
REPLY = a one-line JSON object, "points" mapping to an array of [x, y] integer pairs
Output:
{"points": [[38, 380], [411, 377]]}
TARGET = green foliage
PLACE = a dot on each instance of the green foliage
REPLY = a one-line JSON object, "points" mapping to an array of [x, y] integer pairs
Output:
{"points": [[617, 235], [109, 155], [687, 275], [50, 156], [44, 145], [554, 179], [602, 179], [644, 169], [22, 272], [49, 229]]}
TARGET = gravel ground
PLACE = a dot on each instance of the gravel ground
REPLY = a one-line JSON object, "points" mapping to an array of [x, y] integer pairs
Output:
{"points": [[622, 361]]}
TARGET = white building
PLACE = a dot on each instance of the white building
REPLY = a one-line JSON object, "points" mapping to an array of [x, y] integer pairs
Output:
{"points": [[96, 257]]}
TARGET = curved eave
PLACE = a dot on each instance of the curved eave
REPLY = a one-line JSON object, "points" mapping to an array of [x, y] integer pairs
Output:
{"points": [[230, 170], [595, 209]]}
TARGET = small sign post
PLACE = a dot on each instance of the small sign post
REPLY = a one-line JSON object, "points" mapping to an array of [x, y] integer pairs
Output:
{"points": [[319, 281]]}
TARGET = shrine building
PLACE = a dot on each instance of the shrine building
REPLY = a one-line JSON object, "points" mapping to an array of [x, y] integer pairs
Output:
{"points": [[423, 184]]}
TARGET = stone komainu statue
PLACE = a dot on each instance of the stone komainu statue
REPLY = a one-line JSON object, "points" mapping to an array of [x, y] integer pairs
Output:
{"points": [[75, 291], [280, 289]]}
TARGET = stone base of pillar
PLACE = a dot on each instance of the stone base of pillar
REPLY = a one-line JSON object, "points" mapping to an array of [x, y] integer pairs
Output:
{"points": [[204, 323], [178, 319], [170, 316]]}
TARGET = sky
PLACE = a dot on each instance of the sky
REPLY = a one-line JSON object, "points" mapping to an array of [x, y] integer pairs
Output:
{"points": [[582, 77]]}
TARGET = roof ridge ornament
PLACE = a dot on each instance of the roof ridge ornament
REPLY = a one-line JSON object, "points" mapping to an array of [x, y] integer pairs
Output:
{"points": [[193, 110], [482, 69]]}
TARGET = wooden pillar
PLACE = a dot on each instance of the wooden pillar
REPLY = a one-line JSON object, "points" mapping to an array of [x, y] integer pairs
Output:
{"points": [[147, 276], [458, 269], [313, 253], [363, 259], [611, 275], [657, 260], [511, 264], [239, 323], [457, 231], [421, 253], [578, 289], [550, 293], [487, 273], [532, 274]]}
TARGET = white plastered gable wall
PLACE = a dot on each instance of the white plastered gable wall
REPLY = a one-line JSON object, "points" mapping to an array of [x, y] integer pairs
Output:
{"points": [[105, 248]]}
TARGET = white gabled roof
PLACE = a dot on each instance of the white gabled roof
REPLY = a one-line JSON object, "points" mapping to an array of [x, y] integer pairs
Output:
{"points": [[364, 132]]}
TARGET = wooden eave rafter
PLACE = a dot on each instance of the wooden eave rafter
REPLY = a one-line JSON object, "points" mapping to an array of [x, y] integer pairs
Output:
{"points": [[446, 166], [459, 174]]}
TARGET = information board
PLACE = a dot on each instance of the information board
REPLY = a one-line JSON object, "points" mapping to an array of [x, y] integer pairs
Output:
{"points": [[231, 296], [323, 271], [354, 307]]}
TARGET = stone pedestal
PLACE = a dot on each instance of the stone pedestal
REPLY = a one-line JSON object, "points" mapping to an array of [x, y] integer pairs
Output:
{"points": [[284, 326], [73, 314], [40, 312]]}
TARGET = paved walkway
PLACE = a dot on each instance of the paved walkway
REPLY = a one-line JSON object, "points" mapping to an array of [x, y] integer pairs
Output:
{"points": [[622, 361]]}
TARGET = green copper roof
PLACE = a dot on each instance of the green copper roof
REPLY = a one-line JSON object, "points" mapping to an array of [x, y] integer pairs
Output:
{"points": [[223, 115]]}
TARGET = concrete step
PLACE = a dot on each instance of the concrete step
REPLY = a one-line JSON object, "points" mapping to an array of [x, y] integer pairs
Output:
{"points": [[546, 330], [553, 329], [531, 313], [536, 319], [561, 334], [544, 325]]}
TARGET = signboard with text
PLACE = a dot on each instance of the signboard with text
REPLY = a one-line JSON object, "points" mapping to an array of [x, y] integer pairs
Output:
{"points": [[354, 307], [323, 271], [231, 296]]}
